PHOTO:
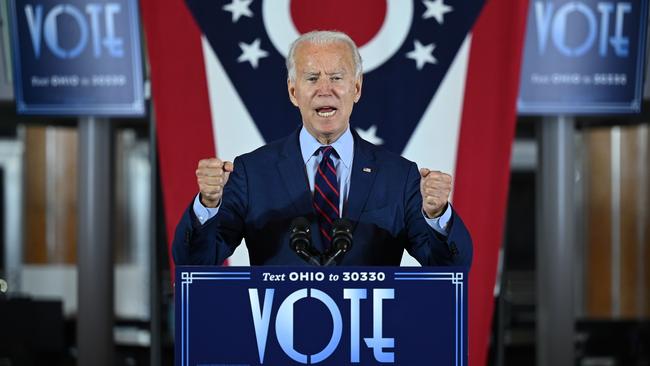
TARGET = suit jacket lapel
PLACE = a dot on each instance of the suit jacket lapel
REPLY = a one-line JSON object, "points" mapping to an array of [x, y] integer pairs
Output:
{"points": [[364, 171], [292, 170]]}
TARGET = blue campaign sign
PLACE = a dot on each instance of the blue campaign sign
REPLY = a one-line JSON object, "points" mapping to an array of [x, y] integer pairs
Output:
{"points": [[321, 315], [77, 57], [583, 57]]}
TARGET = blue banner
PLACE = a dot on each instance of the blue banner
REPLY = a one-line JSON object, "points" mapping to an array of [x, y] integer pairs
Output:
{"points": [[77, 57], [321, 315], [584, 57]]}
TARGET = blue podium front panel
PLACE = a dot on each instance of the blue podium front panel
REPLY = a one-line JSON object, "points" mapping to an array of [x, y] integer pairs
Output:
{"points": [[317, 315]]}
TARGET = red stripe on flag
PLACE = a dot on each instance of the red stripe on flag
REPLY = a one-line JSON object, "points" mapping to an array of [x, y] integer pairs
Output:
{"points": [[182, 109], [483, 163]]}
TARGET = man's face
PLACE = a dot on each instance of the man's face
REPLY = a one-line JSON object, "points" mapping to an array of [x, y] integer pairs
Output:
{"points": [[325, 88]]}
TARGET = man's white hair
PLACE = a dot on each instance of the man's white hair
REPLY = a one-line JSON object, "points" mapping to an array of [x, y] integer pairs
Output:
{"points": [[323, 37]]}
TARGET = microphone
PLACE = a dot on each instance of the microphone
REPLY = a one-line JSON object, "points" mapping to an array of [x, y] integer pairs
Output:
{"points": [[341, 239], [300, 241]]}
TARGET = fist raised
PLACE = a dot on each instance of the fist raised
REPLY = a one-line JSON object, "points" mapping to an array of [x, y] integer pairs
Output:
{"points": [[211, 175], [435, 188]]}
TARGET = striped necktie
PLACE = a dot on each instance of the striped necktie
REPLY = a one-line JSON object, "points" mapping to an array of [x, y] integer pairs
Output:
{"points": [[326, 194]]}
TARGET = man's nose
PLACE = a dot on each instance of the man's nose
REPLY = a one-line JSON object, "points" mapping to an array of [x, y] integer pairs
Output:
{"points": [[324, 87]]}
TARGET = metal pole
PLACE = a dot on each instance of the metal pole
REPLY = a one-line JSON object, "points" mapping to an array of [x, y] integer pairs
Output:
{"points": [[95, 254], [155, 275], [555, 243]]}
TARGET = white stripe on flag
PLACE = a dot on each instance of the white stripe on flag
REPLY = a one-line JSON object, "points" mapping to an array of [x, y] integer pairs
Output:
{"points": [[233, 128], [234, 131], [434, 143]]}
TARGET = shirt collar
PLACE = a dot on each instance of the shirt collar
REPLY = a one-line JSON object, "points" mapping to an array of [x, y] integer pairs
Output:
{"points": [[344, 146]]}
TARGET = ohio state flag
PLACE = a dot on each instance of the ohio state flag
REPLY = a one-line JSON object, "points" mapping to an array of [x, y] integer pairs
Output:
{"points": [[440, 85]]}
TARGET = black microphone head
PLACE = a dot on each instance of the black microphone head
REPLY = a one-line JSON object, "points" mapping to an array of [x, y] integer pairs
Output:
{"points": [[342, 234], [342, 222], [299, 223], [300, 241], [300, 236]]}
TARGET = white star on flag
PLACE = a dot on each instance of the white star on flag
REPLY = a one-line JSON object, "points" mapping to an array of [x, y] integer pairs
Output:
{"points": [[422, 54], [436, 9], [252, 53], [370, 135], [239, 8]]}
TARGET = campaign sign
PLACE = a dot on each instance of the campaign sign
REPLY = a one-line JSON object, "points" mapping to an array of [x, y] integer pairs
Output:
{"points": [[583, 57], [77, 57], [321, 315]]}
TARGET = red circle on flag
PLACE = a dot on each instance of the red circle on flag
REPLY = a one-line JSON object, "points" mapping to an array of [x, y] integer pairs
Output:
{"points": [[360, 19]]}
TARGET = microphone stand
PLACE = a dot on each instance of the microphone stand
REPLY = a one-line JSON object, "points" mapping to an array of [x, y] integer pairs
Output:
{"points": [[331, 259], [300, 241]]}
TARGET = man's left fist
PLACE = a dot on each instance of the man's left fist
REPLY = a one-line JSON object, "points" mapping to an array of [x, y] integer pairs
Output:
{"points": [[435, 188]]}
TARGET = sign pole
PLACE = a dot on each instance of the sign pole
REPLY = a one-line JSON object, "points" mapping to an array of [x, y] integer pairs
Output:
{"points": [[95, 254], [556, 225], [155, 276]]}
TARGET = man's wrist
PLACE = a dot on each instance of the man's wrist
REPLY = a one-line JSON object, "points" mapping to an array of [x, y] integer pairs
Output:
{"points": [[202, 212], [436, 214], [209, 204]]}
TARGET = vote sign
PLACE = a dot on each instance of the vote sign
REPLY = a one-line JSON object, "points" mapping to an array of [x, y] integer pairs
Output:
{"points": [[77, 57], [583, 57], [321, 315]]}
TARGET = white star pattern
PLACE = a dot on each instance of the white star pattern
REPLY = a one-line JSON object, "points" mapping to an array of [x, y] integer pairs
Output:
{"points": [[422, 54], [436, 9], [251, 53], [370, 135], [239, 8]]}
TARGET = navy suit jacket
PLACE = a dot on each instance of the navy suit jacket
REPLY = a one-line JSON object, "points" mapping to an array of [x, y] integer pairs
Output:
{"points": [[269, 188]]}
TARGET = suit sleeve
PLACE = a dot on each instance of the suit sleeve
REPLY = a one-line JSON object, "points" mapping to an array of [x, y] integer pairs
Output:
{"points": [[427, 246], [215, 240]]}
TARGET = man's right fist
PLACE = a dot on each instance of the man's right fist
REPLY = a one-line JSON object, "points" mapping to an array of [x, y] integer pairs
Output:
{"points": [[212, 175]]}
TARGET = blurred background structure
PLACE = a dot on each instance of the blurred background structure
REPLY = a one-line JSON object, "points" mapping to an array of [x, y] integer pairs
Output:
{"points": [[607, 312]]}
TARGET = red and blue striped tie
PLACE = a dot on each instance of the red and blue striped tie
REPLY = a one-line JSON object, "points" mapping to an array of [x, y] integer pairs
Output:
{"points": [[326, 194]]}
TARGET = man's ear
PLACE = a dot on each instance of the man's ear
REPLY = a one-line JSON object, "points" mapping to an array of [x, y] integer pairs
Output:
{"points": [[291, 88], [357, 88]]}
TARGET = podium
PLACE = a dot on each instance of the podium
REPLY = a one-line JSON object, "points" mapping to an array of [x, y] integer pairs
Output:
{"points": [[236, 316]]}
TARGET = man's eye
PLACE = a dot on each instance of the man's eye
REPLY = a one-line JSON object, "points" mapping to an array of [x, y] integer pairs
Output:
{"points": [[312, 79], [336, 78]]}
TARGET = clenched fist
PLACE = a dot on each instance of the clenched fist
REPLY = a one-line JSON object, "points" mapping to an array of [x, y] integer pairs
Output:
{"points": [[212, 175], [435, 188]]}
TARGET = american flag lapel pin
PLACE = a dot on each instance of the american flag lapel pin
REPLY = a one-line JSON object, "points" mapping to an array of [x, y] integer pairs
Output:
{"points": [[367, 170]]}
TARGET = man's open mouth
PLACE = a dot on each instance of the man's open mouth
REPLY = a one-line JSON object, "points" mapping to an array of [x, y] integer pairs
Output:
{"points": [[325, 111]]}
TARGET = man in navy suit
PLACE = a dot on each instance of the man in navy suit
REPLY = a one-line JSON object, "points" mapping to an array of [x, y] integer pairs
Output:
{"points": [[322, 171]]}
